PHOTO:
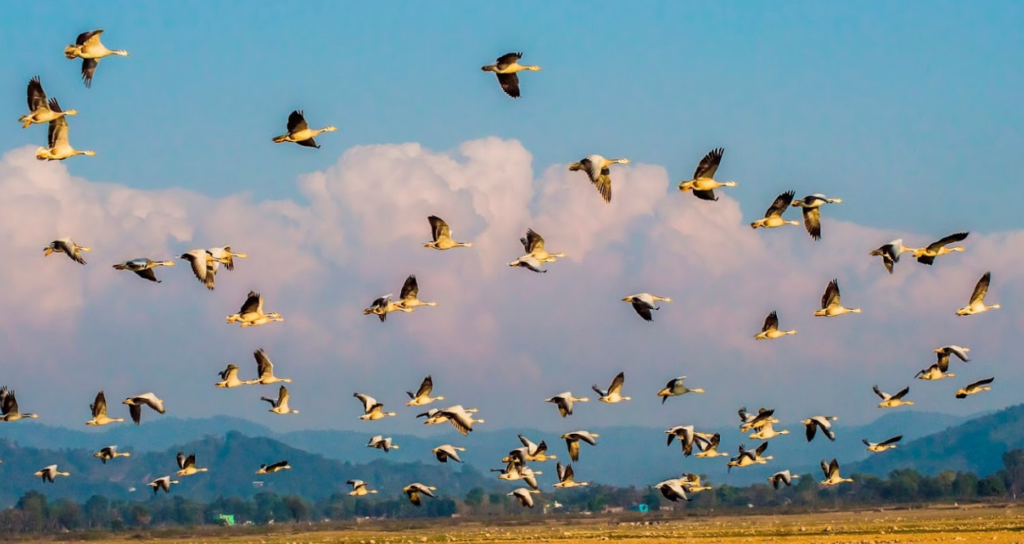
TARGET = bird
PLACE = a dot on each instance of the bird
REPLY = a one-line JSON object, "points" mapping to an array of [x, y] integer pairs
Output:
{"points": [[976, 387], [703, 183], [99, 412], [977, 304], [879, 447], [187, 465], [524, 496], [224, 255], [567, 477], [926, 255], [202, 262], [943, 353], [685, 434], [67, 247], [675, 388], [57, 146], [300, 133], [614, 392], [162, 483], [830, 305], [773, 216], [747, 457], [359, 488], [89, 48], [770, 329], [597, 169], [446, 452], [110, 452], [766, 432], [892, 401], [9, 407], [754, 421], [415, 490], [672, 490], [691, 483], [708, 445], [251, 313], [890, 253], [372, 409], [275, 467], [442, 235], [936, 371], [422, 396], [136, 403], [460, 418], [514, 471], [565, 402], [50, 472], [41, 110], [783, 477], [811, 207], [382, 306], [535, 452], [529, 262], [813, 423], [407, 299], [572, 442], [381, 443], [143, 267], [229, 378], [831, 472], [643, 303], [533, 244], [280, 406], [505, 67], [265, 370]]}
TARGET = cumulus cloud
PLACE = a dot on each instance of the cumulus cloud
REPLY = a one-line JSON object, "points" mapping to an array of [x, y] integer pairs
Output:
{"points": [[501, 339]]}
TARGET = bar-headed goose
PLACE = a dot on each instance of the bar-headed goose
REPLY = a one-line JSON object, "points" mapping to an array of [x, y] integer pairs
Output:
{"points": [[415, 490], [202, 263], [422, 395], [572, 442], [766, 432], [187, 465], [935, 372], [359, 488], [927, 255], [280, 406], [67, 247], [506, 68], [533, 243], [275, 467], [50, 472], [708, 445], [408, 300], [567, 477], [703, 183], [614, 392], [372, 410], [685, 434], [9, 407], [99, 412], [675, 388], [830, 305], [878, 447], [643, 303], [524, 496], [229, 378], [514, 471], [977, 304], [773, 216], [251, 313], [381, 443], [976, 387], [536, 452], [442, 235], [447, 451], [811, 207], [770, 329], [39, 108], [90, 49], [565, 402], [58, 148], [597, 169], [136, 403], [943, 353], [300, 133], [750, 421], [143, 267], [831, 472], [672, 490], [691, 483], [224, 255], [813, 423], [460, 418], [782, 477], [892, 401], [890, 253], [162, 483], [110, 452], [747, 457], [265, 369], [530, 263], [382, 306]]}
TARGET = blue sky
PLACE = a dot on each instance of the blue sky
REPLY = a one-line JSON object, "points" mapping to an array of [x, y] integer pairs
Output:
{"points": [[908, 111]]}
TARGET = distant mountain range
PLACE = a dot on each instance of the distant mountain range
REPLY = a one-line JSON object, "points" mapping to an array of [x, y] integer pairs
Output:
{"points": [[234, 448]]}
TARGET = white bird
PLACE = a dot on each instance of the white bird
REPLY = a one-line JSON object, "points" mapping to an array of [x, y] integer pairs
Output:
{"points": [[460, 418], [672, 490], [782, 477], [136, 403], [565, 402], [770, 329], [892, 401], [830, 305], [416, 490], [359, 488], [422, 395], [676, 387], [110, 452], [187, 465], [831, 472], [890, 253], [614, 392], [67, 247], [162, 483], [813, 423], [265, 370], [524, 496], [766, 432], [943, 353], [58, 147], [811, 206], [773, 217], [708, 445], [597, 169], [529, 262], [686, 436], [99, 412], [535, 452], [203, 266], [381, 443], [372, 410], [229, 378], [643, 303], [703, 183], [275, 467], [506, 68], [567, 477], [280, 406], [977, 304], [976, 387], [447, 451], [49, 473], [90, 49], [878, 447], [572, 441]]}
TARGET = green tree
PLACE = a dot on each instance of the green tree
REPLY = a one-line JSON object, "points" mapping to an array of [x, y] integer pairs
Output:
{"points": [[67, 514], [97, 512], [475, 497], [1013, 471], [991, 486], [34, 511]]}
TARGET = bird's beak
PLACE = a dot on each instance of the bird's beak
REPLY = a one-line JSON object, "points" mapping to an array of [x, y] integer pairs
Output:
{"points": [[47, 252]]}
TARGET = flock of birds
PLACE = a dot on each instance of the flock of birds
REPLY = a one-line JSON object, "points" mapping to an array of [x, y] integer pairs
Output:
{"points": [[205, 263]]}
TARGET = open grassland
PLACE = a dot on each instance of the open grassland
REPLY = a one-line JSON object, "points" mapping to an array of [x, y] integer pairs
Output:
{"points": [[999, 525]]}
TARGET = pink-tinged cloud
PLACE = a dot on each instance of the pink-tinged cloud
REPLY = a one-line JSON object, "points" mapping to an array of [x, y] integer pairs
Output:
{"points": [[500, 339]]}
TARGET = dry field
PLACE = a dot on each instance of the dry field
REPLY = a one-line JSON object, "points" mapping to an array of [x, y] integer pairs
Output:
{"points": [[998, 525]]}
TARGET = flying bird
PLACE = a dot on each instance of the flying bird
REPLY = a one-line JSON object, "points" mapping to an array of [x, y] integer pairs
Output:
{"points": [[977, 304], [9, 407], [203, 265], [381, 443], [415, 490], [565, 402], [226, 256], [506, 68], [524, 496], [359, 488], [442, 235], [446, 452], [408, 299], [98, 408], [67, 247], [675, 388], [89, 48], [703, 183], [143, 267], [811, 207], [162, 483], [597, 169], [280, 406], [382, 306], [708, 445], [567, 477], [813, 423], [275, 467], [49, 473], [229, 378], [831, 472], [614, 392], [672, 490], [422, 395], [529, 262], [890, 253], [136, 403], [41, 110], [300, 133], [572, 442], [460, 418], [372, 410], [533, 244], [770, 329], [535, 452], [265, 370], [927, 255], [643, 303], [976, 387], [57, 146], [766, 432], [685, 434], [110, 452], [251, 313], [773, 216], [943, 353], [879, 447], [783, 477], [830, 305], [187, 465], [892, 401]]}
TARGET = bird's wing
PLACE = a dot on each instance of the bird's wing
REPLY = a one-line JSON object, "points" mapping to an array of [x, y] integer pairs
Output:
{"points": [[8, 404], [979, 383], [534, 241], [296, 122], [309, 142], [574, 448], [531, 447], [57, 132], [508, 58], [36, 95], [981, 288], [146, 273], [603, 183], [89, 70], [426, 386], [99, 406], [951, 239], [824, 468], [643, 310], [509, 83], [833, 468], [831, 295], [810, 429], [282, 396], [198, 264], [709, 164], [252, 303], [901, 394], [780, 205], [91, 37], [560, 470], [367, 400], [411, 288], [136, 411], [892, 440], [812, 222], [438, 227], [264, 368], [617, 382], [879, 392], [181, 459], [760, 449], [771, 322]]}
